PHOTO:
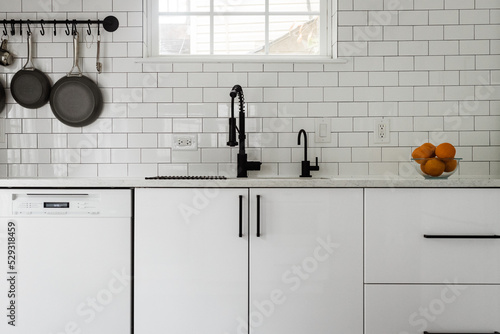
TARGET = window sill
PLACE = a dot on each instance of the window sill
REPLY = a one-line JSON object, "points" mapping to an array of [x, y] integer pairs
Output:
{"points": [[240, 59]]}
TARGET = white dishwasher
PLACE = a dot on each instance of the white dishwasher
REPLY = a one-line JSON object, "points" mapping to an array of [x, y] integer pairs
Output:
{"points": [[66, 260]]}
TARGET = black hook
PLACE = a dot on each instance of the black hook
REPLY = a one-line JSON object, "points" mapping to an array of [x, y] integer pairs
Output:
{"points": [[12, 27], [67, 27], [29, 28], [89, 30], [21, 27], [73, 28], [5, 27], [98, 28], [42, 32], [55, 28]]}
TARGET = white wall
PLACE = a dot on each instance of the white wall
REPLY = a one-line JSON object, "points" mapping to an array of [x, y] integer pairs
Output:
{"points": [[431, 66]]}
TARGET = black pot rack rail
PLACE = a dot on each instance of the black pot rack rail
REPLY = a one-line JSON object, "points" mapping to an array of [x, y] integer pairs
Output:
{"points": [[110, 24]]}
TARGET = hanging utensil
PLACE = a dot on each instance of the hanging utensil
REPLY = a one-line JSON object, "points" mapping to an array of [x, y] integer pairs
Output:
{"points": [[76, 100], [5, 56], [98, 64], [30, 87]]}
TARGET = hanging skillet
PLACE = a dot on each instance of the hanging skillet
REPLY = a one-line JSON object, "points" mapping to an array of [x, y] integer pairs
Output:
{"points": [[75, 99], [30, 87]]}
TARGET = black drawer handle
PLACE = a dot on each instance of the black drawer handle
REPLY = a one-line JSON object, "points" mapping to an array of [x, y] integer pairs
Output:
{"points": [[461, 236], [460, 333], [241, 217], [258, 215]]}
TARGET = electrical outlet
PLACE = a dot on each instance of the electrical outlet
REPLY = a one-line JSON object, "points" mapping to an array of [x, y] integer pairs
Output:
{"points": [[184, 142], [382, 133]]}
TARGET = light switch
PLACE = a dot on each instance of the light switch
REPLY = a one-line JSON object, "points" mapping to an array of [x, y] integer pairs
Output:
{"points": [[323, 131]]}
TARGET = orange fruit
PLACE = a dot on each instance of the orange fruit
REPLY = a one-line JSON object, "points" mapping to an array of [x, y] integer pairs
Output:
{"points": [[424, 151], [445, 151], [430, 146], [434, 167], [450, 165], [422, 166]]}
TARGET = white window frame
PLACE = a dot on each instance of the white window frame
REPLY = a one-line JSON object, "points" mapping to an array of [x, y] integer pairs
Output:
{"points": [[328, 44]]}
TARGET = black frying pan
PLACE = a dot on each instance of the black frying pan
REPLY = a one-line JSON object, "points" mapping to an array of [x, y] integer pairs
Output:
{"points": [[30, 87], [76, 100], [2, 97]]}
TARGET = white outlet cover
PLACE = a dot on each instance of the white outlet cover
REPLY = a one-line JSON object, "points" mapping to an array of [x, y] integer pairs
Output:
{"points": [[184, 137], [377, 139]]}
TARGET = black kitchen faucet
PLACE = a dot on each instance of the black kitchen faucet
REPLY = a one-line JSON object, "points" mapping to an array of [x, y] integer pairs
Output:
{"points": [[243, 164], [306, 164]]}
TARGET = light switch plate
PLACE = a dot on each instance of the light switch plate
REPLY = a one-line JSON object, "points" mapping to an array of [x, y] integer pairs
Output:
{"points": [[323, 129]]}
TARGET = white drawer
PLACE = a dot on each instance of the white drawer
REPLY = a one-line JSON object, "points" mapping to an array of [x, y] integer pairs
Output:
{"points": [[396, 221], [413, 309]]}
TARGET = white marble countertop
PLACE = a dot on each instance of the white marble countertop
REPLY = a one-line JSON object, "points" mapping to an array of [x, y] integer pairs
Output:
{"points": [[333, 182]]}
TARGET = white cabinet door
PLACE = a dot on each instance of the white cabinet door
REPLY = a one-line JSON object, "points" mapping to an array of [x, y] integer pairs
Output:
{"points": [[191, 273], [400, 222], [415, 308], [306, 265]]}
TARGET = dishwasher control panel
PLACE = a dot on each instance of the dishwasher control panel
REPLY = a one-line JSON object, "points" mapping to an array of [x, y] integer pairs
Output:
{"points": [[55, 205], [65, 203]]}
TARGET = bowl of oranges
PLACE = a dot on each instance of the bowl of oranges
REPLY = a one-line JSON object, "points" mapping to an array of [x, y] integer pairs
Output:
{"points": [[435, 162]]}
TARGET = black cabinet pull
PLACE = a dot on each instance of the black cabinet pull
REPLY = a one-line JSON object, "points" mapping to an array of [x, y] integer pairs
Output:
{"points": [[241, 217], [461, 333], [258, 215], [463, 236]]}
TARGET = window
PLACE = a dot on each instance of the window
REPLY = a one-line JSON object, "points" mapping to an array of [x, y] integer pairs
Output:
{"points": [[241, 28]]}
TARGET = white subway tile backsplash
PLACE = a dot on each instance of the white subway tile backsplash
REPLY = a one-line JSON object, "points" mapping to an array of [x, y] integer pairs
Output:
{"points": [[442, 78], [459, 93], [186, 156], [278, 94], [383, 48], [154, 156], [443, 108], [398, 33], [399, 63], [431, 66], [262, 79], [454, 123], [160, 94], [61, 155], [429, 93], [428, 124], [147, 140], [353, 79], [95, 156], [201, 79], [414, 48], [382, 109], [445, 17], [351, 18], [323, 79], [353, 139], [458, 32], [413, 18], [443, 47], [368, 5], [142, 170]]}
